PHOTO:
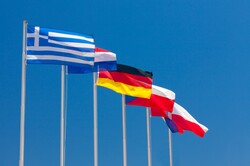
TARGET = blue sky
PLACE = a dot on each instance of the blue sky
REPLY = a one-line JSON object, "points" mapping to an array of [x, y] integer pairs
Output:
{"points": [[198, 49]]}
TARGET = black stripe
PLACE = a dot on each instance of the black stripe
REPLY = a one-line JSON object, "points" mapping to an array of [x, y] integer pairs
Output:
{"points": [[132, 70]]}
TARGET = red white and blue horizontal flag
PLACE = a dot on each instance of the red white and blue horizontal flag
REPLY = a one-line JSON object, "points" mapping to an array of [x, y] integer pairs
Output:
{"points": [[103, 60], [180, 120], [51, 46]]}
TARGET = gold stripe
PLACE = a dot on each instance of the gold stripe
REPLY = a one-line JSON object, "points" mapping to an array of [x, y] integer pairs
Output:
{"points": [[124, 88]]}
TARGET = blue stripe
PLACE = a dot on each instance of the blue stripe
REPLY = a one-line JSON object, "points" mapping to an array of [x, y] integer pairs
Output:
{"points": [[30, 41], [80, 70], [57, 62], [106, 65], [98, 66], [62, 54], [30, 29], [129, 98]]}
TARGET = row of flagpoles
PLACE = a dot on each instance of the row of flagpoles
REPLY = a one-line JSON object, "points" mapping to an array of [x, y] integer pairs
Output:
{"points": [[78, 54]]}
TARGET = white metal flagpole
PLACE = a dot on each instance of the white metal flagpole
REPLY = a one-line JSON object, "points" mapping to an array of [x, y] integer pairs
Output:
{"points": [[170, 147], [148, 136], [170, 144], [23, 95], [95, 120], [124, 132], [65, 111], [62, 135]]}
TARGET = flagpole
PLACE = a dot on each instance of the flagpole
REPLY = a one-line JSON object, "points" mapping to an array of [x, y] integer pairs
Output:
{"points": [[95, 120], [124, 132], [23, 95], [148, 136], [62, 142], [170, 143], [65, 112]]}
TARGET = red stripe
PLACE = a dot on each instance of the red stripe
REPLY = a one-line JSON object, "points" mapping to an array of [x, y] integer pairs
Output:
{"points": [[187, 125], [161, 103], [155, 101], [128, 79], [158, 112], [139, 102], [180, 130], [100, 50]]}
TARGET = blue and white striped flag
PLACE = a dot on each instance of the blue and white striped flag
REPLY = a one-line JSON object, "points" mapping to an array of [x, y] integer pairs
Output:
{"points": [[51, 46]]}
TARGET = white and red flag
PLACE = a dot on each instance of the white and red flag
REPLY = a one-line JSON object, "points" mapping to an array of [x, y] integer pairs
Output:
{"points": [[180, 120]]}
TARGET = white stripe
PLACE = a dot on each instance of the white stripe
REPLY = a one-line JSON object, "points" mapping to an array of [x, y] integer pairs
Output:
{"points": [[179, 110], [55, 34], [72, 44], [36, 38], [58, 58], [163, 92], [104, 56], [63, 50], [35, 35]]}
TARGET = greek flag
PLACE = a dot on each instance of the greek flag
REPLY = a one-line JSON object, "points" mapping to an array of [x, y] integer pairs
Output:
{"points": [[50, 46]]}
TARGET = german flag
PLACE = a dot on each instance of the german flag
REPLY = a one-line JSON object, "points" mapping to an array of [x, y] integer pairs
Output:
{"points": [[127, 80]]}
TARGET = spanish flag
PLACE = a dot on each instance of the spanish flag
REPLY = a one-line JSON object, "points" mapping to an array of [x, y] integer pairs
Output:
{"points": [[127, 80]]}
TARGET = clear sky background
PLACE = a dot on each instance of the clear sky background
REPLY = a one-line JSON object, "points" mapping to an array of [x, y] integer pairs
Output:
{"points": [[197, 48]]}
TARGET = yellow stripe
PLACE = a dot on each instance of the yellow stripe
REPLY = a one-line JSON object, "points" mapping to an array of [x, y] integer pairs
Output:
{"points": [[124, 88]]}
